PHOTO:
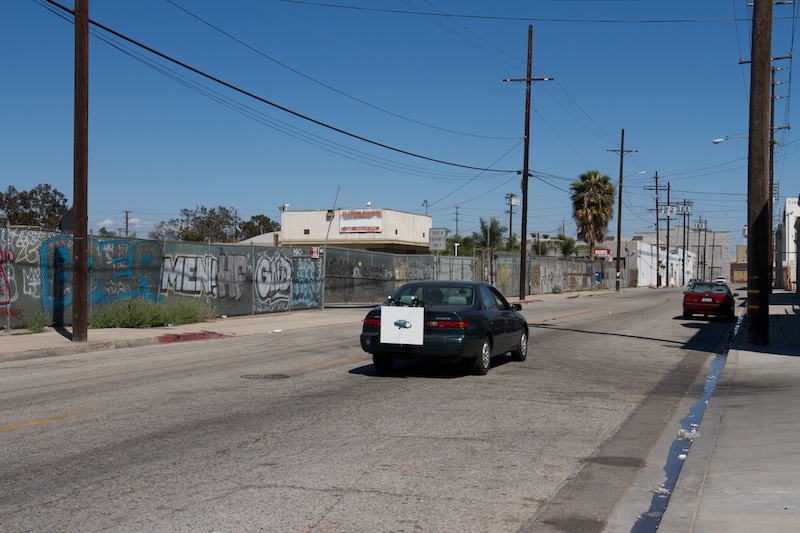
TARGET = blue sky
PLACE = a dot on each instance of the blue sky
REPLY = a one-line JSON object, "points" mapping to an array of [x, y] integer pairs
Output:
{"points": [[424, 77]]}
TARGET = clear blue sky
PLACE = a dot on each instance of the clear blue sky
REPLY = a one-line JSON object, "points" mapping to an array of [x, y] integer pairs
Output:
{"points": [[420, 76]]}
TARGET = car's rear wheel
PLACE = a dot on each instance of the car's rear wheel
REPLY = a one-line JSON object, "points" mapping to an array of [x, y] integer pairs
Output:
{"points": [[687, 316], [383, 363], [521, 351], [481, 364]]}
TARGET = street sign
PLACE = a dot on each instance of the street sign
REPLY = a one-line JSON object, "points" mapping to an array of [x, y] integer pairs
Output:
{"points": [[438, 239]]}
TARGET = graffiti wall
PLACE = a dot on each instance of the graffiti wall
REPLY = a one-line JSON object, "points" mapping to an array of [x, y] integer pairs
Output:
{"points": [[358, 276], [36, 275]]}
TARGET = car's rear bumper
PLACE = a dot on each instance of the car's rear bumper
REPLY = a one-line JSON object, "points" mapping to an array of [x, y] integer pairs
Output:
{"points": [[707, 309], [433, 347]]}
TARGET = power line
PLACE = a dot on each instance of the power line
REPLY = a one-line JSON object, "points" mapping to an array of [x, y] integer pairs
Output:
{"points": [[524, 19], [273, 104], [323, 84]]}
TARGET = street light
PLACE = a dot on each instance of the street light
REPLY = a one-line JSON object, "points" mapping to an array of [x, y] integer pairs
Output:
{"points": [[723, 139]]}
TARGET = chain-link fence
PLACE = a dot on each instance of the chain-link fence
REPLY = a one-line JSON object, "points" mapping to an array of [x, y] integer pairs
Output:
{"points": [[239, 279]]}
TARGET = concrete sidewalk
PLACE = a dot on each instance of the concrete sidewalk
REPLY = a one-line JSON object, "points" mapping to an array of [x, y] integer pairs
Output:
{"points": [[58, 341], [742, 474]]}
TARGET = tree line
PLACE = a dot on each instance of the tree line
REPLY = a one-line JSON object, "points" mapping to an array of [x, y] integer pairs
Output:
{"points": [[45, 207], [592, 197]]}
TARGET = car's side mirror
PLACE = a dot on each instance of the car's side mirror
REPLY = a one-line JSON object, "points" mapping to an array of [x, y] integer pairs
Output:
{"points": [[735, 294], [517, 307]]}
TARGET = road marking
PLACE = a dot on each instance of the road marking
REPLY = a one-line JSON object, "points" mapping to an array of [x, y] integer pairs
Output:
{"points": [[37, 422]]}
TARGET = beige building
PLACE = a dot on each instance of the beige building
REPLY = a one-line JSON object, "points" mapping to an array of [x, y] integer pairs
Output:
{"points": [[376, 230]]}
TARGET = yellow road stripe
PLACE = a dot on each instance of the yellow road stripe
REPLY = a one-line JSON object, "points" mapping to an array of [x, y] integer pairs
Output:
{"points": [[37, 422]]}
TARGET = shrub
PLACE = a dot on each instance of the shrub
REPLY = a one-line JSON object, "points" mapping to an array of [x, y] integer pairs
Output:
{"points": [[557, 289], [38, 322], [140, 313]]}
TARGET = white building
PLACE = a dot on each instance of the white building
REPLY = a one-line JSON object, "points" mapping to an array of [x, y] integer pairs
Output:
{"points": [[376, 230], [639, 258], [786, 245], [711, 248]]}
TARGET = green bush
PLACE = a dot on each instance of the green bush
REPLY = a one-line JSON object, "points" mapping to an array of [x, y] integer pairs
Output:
{"points": [[140, 313], [37, 322], [557, 289]]}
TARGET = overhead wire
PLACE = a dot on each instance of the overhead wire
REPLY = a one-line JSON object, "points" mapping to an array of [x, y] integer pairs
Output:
{"points": [[323, 84], [274, 104]]}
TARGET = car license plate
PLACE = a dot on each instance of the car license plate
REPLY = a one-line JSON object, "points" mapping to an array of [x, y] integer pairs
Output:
{"points": [[706, 300]]}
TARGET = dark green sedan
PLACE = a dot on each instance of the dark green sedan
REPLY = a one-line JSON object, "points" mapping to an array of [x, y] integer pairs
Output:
{"points": [[460, 321]]}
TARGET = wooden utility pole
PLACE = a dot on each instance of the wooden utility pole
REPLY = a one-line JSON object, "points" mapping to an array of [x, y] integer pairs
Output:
{"points": [[758, 211], [669, 212], [523, 285], [80, 247], [658, 240], [622, 151]]}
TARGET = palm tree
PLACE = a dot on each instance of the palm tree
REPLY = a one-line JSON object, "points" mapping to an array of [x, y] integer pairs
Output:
{"points": [[491, 233], [566, 245], [592, 206]]}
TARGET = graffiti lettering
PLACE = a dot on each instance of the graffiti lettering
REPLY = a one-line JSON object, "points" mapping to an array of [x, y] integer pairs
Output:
{"points": [[305, 286], [13, 313], [190, 274], [273, 281], [232, 273]]}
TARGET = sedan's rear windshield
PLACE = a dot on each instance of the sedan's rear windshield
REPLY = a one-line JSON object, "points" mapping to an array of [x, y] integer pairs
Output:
{"points": [[708, 287], [452, 295]]}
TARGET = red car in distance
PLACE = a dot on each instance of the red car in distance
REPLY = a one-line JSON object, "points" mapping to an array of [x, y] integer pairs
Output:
{"points": [[709, 298]]}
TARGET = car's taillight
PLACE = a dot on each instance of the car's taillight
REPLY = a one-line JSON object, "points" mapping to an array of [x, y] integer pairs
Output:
{"points": [[447, 324], [372, 322]]}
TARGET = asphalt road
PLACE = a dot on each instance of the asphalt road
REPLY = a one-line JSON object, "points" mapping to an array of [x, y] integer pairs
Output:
{"points": [[296, 431]]}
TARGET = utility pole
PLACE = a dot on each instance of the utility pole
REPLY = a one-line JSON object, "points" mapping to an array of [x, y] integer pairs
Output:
{"points": [[705, 247], [669, 212], [425, 205], [658, 232], [622, 151], [686, 210], [772, 195], [126, 222], [457, 233], [757, 177], [523, 286], [80, 246]]}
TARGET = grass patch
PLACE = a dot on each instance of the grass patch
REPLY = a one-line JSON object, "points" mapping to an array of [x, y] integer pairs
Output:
{"points": [[140, 313]]}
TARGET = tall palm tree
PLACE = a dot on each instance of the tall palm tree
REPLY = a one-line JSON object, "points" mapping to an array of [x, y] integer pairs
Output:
{"points": [[592, 206]]}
